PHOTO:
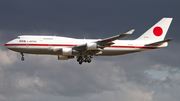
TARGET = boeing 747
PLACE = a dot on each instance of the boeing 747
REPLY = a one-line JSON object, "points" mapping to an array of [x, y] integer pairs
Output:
{"points": [[85, 49]]}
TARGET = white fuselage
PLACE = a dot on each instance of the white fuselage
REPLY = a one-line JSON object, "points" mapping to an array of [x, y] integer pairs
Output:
{"points": [[47, 44], [85, 49]]}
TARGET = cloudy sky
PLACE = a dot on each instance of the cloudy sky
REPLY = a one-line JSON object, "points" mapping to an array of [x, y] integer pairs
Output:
{"points": [[146, 76]]}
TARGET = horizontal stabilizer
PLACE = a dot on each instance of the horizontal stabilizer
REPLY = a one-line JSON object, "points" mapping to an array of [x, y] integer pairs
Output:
{"points": [[158, 43]]}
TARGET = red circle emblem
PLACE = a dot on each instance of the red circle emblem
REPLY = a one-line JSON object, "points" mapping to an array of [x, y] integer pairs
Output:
{"points": [[157, 31]]}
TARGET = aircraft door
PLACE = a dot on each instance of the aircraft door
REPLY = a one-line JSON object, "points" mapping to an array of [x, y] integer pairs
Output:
{"points": [[27, 43]]}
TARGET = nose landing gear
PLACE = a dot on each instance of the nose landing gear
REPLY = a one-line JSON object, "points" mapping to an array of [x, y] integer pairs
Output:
{"points": [[22, 58]]}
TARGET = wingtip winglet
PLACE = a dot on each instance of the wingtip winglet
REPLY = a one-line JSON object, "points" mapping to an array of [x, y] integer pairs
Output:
{"points": [[130, 32]]}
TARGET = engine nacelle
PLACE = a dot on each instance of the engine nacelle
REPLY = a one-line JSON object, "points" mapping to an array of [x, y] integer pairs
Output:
{"points": [[92, 46], [61, 57], [67, 51]]}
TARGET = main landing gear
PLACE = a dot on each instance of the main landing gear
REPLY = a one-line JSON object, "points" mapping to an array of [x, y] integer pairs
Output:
{"points": [[22, 58], [86, 59]]}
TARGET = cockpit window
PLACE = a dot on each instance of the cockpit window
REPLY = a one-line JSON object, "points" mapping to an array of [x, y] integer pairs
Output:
{"points": [[18, 37]]}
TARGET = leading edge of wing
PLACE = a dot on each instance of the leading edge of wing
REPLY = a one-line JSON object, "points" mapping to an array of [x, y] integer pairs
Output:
{"points": [[117, 36]]}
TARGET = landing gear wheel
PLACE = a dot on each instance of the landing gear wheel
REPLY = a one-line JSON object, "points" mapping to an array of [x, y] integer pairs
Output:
{"points": [[89, 60], [85, 59], [22, 58], [79, 58], [80, 61]]}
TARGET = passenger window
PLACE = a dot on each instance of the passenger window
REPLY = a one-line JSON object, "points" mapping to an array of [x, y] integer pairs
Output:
{"points": [[22, 40]]}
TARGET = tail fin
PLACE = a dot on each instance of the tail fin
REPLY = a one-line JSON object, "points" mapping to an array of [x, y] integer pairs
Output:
{"points": [[158, 31]]}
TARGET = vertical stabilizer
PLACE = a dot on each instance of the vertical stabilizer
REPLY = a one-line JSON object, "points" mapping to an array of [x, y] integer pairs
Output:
{"points": [[158, 31]]}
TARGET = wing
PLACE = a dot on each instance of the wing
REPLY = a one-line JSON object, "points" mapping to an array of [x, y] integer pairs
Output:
{"points": [[110, 39], [97, 46]]}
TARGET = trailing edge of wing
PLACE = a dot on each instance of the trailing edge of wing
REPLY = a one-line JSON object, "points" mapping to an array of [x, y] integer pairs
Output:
{"points": [[158, 43], [117, 36]]}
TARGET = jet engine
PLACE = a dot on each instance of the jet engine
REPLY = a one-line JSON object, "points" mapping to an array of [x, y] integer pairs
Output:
{"points": [[92, 46], [67, 51]]}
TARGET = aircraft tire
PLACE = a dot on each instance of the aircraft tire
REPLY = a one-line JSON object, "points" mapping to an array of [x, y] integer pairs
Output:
{"points": [[81, 61], [22, 58], [89, 60]]}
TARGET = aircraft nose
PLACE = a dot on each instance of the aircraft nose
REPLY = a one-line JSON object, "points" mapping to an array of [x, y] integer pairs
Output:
{"points": [[7, 45]]}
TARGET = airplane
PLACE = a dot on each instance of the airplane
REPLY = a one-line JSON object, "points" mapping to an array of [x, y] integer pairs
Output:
{"points": [[85, 49]]}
